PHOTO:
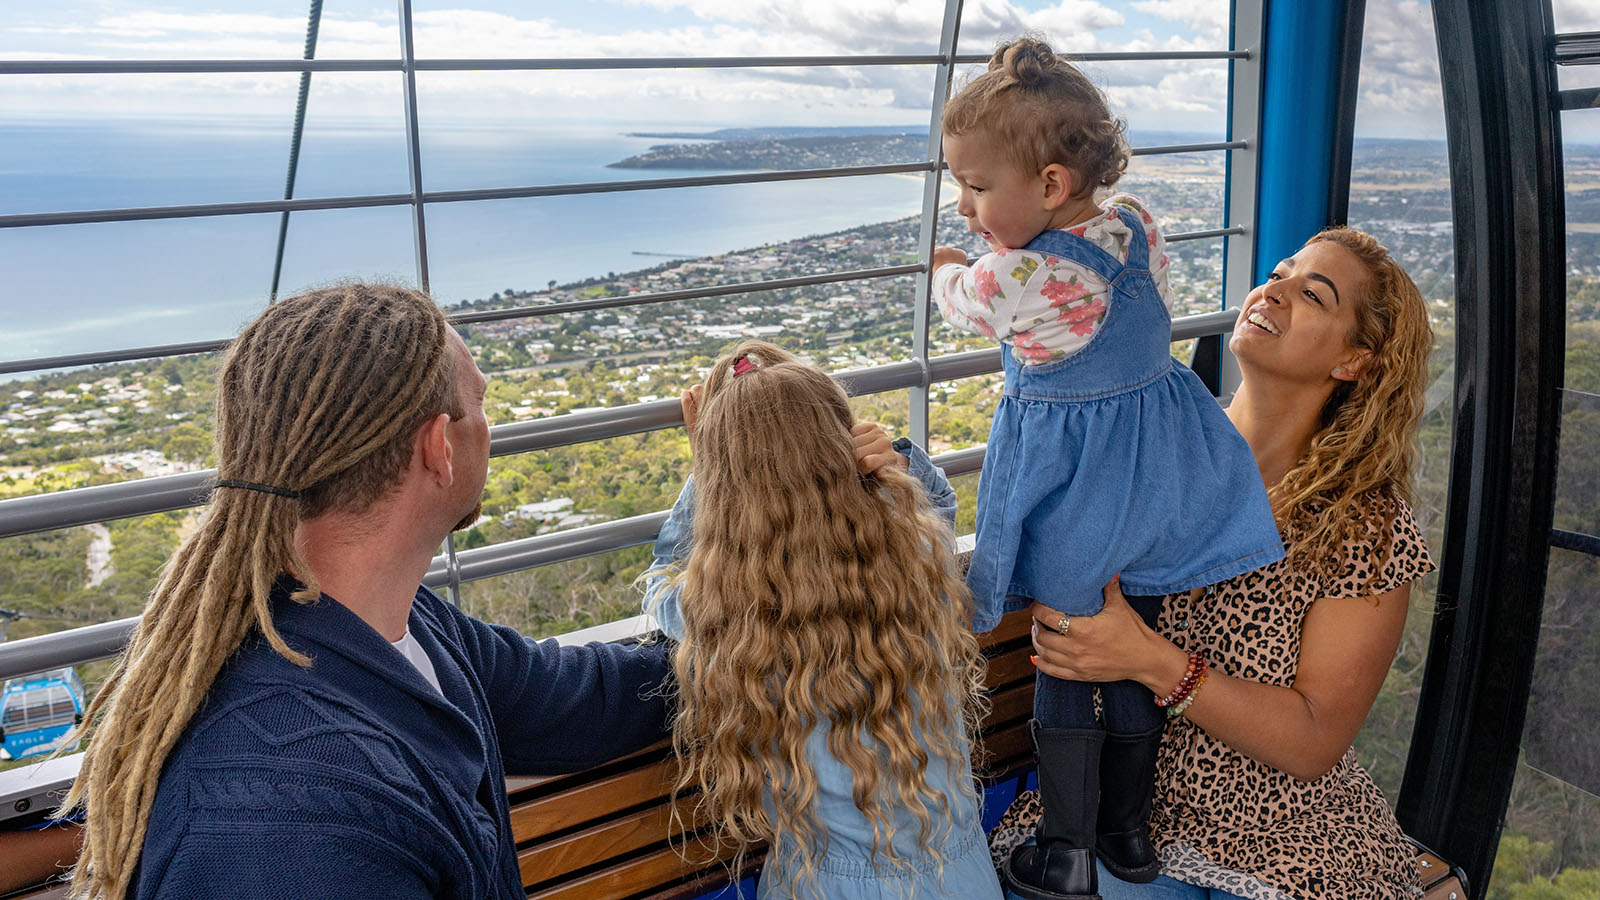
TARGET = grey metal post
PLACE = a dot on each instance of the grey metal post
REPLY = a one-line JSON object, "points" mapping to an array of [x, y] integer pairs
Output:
{"points": [[408, 60], [918, 394], [1244, 124]]}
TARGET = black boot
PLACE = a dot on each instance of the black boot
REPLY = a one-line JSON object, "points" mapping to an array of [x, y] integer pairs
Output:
{"points": [[1060, 864], [1122, 835]]}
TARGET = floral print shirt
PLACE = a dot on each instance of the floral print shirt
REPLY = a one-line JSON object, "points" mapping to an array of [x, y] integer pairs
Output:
{"points": [[1045, 307]]}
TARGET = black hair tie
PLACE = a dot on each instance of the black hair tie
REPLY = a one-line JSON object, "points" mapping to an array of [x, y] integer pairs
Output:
{"points": [[263, 488]]}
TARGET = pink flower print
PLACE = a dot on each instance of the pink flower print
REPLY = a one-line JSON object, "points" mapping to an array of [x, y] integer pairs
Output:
{"points": [[1145, 214], [1026, 347], [1082, 319], [1061, 292], [984, 328], [1002, 252], [1164, 261], [1052, 261], [988, 287], [1151, 236]]}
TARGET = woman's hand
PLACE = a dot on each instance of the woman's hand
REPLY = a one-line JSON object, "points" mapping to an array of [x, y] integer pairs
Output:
{"points": [[1111, 645], [944, 256], [874, 450], [690, 400]]}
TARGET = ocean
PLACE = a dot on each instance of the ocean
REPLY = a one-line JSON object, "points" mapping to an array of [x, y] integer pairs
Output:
{"points": [[77, 288]]}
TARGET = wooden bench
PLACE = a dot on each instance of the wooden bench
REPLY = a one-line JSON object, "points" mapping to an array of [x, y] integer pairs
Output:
{"points": [[609, 833]]}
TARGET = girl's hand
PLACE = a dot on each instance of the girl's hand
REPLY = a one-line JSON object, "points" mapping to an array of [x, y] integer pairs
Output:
{"points": [[874, 450], [943, 256], [690, 400], [1111, 645]]}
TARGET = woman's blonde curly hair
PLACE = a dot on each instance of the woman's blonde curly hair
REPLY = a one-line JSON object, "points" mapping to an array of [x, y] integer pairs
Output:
{"points": [[814, 598], [1362, 458]]}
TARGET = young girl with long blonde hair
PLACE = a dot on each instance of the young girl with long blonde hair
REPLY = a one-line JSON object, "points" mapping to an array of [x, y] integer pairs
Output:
{"points": [[827, 676]]}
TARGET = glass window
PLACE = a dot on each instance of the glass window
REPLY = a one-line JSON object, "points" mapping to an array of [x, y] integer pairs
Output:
{"points": [[1400, 194], [1551, 845]]}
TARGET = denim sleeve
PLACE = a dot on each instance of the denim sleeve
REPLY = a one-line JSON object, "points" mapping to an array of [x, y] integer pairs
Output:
{"points": [[941, 496], [673, 544]]}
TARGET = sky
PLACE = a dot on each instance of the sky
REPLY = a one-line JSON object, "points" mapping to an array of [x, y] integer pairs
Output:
{"points": [[1399, 91]]}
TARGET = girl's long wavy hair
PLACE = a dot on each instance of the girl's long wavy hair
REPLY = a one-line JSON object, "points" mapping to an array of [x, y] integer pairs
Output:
{"points": [[1365, 453], [322, 394], [814, 597]]}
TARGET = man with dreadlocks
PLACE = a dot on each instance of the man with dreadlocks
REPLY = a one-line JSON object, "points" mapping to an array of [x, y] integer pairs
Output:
{"points": [[294, 717]]}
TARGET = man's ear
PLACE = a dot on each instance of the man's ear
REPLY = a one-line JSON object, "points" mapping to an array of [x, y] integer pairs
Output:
{"points": [[435, 451], [1351, 367], [1058, 185]]}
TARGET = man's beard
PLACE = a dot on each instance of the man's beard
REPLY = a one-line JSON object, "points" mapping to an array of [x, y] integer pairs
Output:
{"points": [[470, 517]]}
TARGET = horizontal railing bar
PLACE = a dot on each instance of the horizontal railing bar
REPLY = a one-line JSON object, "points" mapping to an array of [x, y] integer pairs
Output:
{"points": [[366, 201], [199, 210], [1181, 236], [1576, 541], [148, 213], [207, 66], [25, 656], [654, 184], [721, 290], [1167, 149], [962, 59], [164, 493], [109, 356], [1579, 48], [489, 315]]}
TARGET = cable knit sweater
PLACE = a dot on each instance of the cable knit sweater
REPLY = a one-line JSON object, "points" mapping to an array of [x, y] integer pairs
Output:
{"points": [[353, 778]]}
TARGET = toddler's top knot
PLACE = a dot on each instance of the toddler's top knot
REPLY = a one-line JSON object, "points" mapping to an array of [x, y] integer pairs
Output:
{"points": [[1029, 61], [1042, 110]]}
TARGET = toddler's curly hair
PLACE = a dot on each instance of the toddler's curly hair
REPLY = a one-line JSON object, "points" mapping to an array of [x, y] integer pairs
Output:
{"points": [[1043, 110]]}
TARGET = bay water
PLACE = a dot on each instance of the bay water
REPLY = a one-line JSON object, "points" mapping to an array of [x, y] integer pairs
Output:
{"points": [[76, 288]]}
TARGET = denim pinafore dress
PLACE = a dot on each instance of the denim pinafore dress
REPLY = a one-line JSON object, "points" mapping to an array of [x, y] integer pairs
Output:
{"points": [[1115, 460]]}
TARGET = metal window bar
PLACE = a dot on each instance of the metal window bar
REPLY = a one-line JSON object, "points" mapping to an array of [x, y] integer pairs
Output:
{"points": [[362, 201], [313, 25], [500, 64]]}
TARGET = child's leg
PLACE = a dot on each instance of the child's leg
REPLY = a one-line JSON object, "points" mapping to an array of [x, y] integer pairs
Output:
{"points": [[1058, 703], [1134, 725], [1128, 706]]}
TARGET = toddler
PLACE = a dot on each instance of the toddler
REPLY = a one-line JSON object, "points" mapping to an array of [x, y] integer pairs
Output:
{"points": [[1105, 456], [827, 676]]}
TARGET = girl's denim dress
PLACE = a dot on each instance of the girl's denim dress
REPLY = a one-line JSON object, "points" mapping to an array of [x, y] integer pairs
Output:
{"points": [[1115, 460]]}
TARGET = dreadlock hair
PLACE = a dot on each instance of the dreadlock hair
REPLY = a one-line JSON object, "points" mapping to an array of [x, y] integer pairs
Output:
{"points": [[1043, 110], [1363, 456], [814, 597], [321, 395]]}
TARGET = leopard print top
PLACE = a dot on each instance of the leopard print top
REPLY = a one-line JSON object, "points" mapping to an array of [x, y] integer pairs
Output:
{"points": [[1219, 814]]}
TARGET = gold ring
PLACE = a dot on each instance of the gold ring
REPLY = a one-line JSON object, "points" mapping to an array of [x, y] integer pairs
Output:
{"points": [[1063, 625]]}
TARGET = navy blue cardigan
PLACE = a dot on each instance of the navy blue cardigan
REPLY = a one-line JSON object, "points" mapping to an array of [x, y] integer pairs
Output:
{"points": [[353, 778]]}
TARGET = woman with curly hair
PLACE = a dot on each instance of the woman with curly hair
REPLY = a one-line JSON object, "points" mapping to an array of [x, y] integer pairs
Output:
{"points": [[1268, 676], [827, 674]]}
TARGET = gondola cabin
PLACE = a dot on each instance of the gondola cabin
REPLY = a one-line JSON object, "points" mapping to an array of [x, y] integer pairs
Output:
{"points": [[37, 712], [589, 281]]}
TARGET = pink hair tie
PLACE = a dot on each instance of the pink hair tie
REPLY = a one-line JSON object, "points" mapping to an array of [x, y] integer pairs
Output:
{"points": [[743, 365]]}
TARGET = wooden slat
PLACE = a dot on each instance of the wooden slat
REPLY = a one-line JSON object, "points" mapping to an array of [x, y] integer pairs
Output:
{"points": [[1010, 667], [1004, 748], [516, 784], [1010, 704], [1012, 626], [592, 800], [609, 839], [635, 875]]}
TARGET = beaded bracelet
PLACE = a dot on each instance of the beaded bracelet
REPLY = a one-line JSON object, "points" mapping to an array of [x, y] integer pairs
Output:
{"points": [[1191, 676], [1183, 706]]}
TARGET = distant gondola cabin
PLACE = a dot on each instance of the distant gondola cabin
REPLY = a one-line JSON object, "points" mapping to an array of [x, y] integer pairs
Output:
{"points": [[37, 712]]}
